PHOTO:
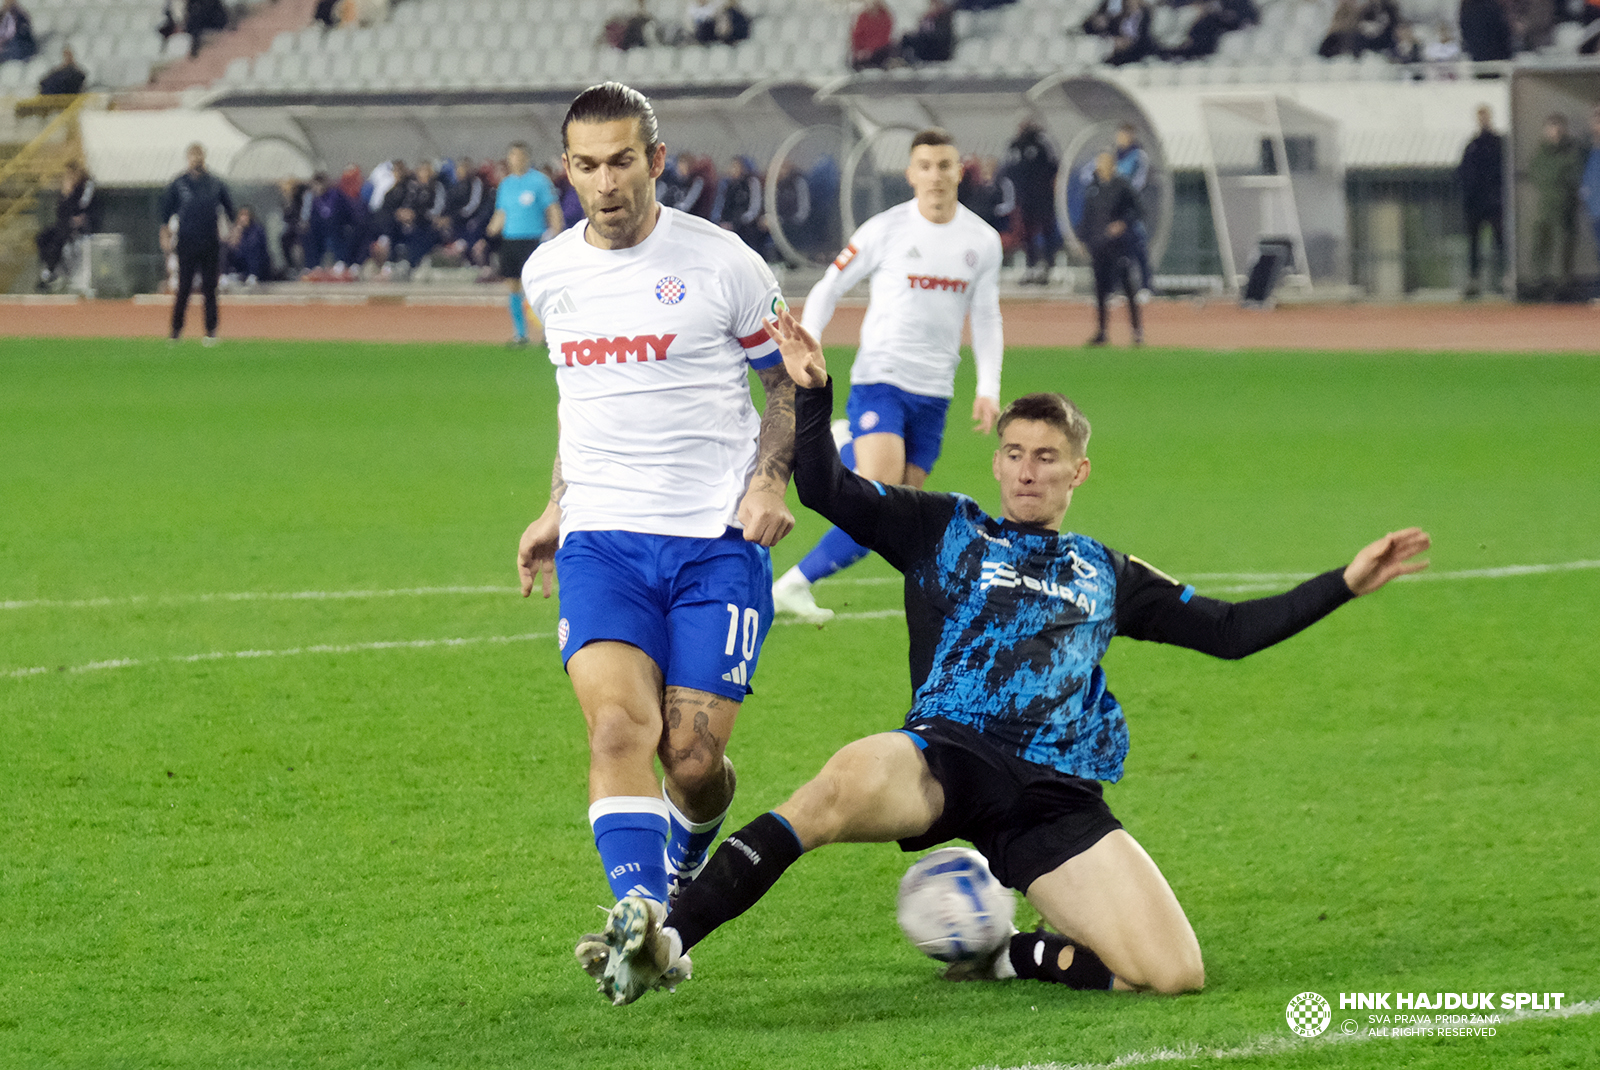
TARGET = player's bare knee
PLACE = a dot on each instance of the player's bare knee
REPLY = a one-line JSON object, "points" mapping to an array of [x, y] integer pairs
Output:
{"points": [[1175, 975], [618, 734]]}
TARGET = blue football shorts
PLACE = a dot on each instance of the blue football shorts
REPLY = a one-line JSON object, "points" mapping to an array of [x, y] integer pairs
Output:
{"points": [[700, 608], [878, 408]]}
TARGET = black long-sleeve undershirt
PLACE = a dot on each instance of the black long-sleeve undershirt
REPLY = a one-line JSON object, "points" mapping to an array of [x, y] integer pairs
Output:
{"points": [[906, 525]]}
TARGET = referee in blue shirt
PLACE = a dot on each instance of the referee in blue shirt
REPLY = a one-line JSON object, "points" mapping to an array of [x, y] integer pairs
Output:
{"points": [[195, 197], [527, 209]]}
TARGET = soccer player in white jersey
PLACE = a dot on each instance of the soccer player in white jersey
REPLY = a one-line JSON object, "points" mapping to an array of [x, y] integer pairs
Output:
{"points": [[667, 491], [933, 264]]}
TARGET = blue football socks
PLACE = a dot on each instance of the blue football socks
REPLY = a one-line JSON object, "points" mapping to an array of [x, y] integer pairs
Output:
{"points": [[519, 315], [833, 552], [690, 840], [631, 834]]}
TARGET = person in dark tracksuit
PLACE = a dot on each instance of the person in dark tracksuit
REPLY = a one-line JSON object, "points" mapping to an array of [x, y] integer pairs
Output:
{"points": [[1110, 214], [1482, 176], [194, 197]]}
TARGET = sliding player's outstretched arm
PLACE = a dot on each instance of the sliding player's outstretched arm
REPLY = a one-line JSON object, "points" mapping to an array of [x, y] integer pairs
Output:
{"points": [[1156, 607]]}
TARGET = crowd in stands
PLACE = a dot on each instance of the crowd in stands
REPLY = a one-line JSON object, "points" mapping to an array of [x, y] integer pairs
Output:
{"points": [[705, 22], [387, 223]]}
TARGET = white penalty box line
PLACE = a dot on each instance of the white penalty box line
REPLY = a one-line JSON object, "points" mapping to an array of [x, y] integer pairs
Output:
{"points": [[1254, 581], [343, 648], [1276, 1044]]}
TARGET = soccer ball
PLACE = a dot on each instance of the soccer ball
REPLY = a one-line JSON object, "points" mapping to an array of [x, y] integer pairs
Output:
{"points": [[952, 908]]}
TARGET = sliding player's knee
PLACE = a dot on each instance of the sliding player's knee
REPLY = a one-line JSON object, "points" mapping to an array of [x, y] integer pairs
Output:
{"points": [[823, 808], [1174, 973]]}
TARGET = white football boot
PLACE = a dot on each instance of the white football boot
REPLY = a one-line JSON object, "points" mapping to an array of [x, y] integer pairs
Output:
{"points": [[644, 954], [792, 594]]}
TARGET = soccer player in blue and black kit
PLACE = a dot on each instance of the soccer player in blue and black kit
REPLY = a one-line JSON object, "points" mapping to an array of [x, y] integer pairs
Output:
{"points": [[527, 210], [1012, 727]]}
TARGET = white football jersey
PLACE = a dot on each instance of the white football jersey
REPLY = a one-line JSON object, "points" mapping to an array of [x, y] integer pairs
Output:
{"points": [[652, 346], [926, 278]]}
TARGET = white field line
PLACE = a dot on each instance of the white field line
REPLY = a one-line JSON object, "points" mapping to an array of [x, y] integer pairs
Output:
{"points": [[347, 648], [1236, 581], [242, 596], [1274, 1044]]}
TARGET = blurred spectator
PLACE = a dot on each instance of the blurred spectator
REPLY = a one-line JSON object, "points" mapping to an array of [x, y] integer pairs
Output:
{"points": [[194, 200], [1485, 31], [75, 217], [392, 189], [1589, 189], [328, 230], [1133, 164], [1482, 176], [295, 197], [1557, 170], [466, 212], [1407, 49], [739, 205], [672, 188], [16, 32], [201, 16], [793, 201], [934, 39], [1344, 36], [1102, 22], [414, 229], [64, 80], [1445, 47], [701, 195], [1361, 26], [629, 31], [730, 25], [1217, 18], [1110, 212], [872, 36], [1133, 40], [244, 255], [1379, 21], [1533, 23], [701, 17], [327, 12], [1031, 163], [987, 194]]}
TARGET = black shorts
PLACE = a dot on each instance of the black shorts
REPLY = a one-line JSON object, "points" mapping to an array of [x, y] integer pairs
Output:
{"points": [[514, 252], [1025, 818]]}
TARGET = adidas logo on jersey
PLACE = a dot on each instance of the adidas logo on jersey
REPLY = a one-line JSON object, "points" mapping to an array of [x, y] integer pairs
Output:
{"points": [[913, 254], [1001, 574], [933, 282], [563, 305], [618, 350], [739, 674]]}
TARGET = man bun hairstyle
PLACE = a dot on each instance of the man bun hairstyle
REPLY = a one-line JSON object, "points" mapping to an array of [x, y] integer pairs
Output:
{"points": [[610, 101], [1057, 410], [933, 135]]}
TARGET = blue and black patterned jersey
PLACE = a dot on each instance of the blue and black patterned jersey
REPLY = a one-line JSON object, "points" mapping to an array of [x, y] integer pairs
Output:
{"points": [[1008, 623]]}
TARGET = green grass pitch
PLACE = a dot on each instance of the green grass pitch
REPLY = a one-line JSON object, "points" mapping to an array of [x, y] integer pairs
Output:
{"points": [[324, 847]]}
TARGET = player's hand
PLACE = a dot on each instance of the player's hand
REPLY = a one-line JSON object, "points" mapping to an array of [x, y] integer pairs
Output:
{"points": [[765, 516], [985, 411], [536, 553], [802, 354], [1386, 559]]}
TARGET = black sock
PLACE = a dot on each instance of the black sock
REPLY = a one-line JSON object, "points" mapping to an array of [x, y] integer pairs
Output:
{"points": [[740, 871], [1036, 956]]}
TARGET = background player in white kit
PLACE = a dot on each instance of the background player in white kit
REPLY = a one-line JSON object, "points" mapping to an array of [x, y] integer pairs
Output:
{"points": [[667, 490], [932, 263]]}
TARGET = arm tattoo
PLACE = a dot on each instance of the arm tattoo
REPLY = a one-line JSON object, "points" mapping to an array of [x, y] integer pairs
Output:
{"points": [[558, 485], [775, 460]]}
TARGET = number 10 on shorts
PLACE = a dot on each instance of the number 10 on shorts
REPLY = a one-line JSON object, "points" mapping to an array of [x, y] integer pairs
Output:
{"points": [[751, 632]]}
